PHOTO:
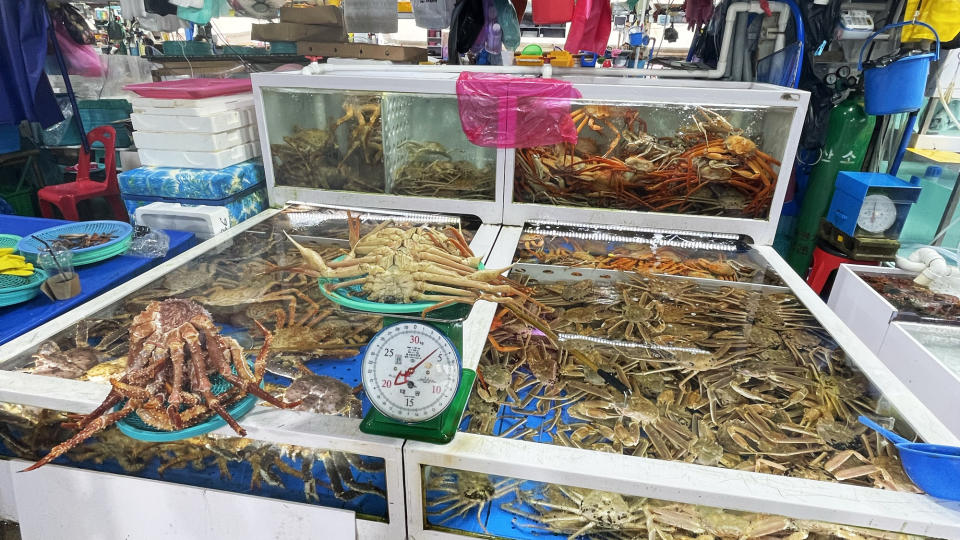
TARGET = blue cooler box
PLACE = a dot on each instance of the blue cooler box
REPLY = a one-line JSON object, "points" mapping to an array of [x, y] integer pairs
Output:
{"points": [[241, 188]]}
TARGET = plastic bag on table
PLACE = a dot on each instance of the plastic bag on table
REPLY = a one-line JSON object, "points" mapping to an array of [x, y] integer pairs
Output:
{"points": [[149, 243], [81, 59], [514, 112]]}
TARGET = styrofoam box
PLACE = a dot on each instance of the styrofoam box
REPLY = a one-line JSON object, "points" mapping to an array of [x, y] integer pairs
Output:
{"points": [[199, 160], [204, 221], [215, 123], [193, 107], [860, 307], [207, 142]]}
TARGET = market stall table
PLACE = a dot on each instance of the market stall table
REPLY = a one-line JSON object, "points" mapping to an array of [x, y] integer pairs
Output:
{"points": [[94, 278]]}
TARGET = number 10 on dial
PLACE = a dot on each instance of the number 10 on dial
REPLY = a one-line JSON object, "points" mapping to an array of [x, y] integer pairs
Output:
{"points": [[411, 372]]}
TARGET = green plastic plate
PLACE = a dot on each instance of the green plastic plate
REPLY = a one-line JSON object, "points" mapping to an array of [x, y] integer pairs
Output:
{"points": [[134, 427], [353, 302], [17, 289], [9, 241]]}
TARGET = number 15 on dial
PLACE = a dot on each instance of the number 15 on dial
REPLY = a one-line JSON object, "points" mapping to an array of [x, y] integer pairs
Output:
{"points": [[411, 372]]}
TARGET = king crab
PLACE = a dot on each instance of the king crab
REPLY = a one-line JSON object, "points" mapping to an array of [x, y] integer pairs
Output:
{"points": [[174, 347]]}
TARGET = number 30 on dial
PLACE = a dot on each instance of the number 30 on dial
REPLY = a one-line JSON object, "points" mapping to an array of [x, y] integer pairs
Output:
{"points": [[411, 372]]}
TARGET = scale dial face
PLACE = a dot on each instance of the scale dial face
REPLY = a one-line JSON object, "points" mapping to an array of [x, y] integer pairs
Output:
{"points": [[877, 214], [411, 371]]}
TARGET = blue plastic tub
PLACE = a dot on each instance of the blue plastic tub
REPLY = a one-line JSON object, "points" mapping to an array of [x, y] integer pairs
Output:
{"points": [[897, 87]]}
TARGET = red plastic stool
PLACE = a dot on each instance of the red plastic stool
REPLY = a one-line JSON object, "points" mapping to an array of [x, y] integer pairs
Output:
{"points": [[826, 260], [66, 196]]}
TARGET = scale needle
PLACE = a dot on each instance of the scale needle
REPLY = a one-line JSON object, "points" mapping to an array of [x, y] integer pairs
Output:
{"points": [[408, 373]]}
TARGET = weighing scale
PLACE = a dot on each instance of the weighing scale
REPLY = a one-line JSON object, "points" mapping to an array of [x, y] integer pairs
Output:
{"points": [[412, 373], [412, 369], [867, 213]]}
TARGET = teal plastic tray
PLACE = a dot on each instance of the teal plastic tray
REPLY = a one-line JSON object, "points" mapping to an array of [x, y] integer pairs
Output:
{"points": [[17, 289], [353, 302], [30, 247], [9, 240]]}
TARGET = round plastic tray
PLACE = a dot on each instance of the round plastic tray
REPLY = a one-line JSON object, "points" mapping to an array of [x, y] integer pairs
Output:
{"points": [[17, 289], [360, 304], [9, 240], [134, 427], [29, 247]]}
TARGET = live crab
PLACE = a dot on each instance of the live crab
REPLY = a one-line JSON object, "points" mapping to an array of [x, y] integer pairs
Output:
{"points": [[174, 347]]}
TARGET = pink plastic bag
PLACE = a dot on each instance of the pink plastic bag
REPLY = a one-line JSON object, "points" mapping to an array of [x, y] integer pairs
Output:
{"points": [[515, 112], [590, 28], [81, 60]]}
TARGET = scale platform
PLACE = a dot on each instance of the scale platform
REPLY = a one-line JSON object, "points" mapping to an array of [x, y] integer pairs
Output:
{"points": [[860, 248]]}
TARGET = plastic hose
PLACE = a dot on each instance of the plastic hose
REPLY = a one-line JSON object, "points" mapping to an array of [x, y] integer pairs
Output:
{"points": [[929, 262]]}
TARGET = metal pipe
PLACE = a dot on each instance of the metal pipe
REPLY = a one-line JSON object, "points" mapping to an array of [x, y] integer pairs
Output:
{"points": [[904, 140], [66, 82]]}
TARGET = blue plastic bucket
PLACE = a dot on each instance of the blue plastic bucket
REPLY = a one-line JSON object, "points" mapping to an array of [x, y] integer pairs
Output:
{"points": [[897, 87]]}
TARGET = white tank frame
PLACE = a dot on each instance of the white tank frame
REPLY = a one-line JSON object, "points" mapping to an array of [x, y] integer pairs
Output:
{"points": [[263, 424], [696, 484], [402, 81]]}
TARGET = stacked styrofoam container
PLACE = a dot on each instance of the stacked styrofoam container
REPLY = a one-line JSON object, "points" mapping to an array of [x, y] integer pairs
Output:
{"points": [[208, 133]]}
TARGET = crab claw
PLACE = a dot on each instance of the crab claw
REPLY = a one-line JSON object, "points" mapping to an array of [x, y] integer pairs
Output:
{"points": [[488, 274], [312, 257]]}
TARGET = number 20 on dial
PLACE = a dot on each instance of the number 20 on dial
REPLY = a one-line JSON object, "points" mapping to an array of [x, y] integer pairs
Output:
{"points": [[411, 372]]}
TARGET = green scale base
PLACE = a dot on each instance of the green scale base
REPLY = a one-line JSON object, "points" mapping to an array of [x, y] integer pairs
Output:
{"points": [[441, 429]]}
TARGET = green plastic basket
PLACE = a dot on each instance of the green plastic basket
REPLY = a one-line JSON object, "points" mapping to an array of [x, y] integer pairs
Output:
{"points": [[9, 240], [353, 302], [17, 289], [134, 427]]}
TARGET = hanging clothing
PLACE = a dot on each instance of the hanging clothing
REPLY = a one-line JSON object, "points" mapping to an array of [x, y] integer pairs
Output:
{"points": [[698, 13], [942, 15], [130, 9], [77, 26], [25, 92], [151, 22], [160, 7], [590, 28]]}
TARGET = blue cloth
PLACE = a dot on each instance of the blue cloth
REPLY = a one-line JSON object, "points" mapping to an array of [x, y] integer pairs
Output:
{"points": [[25, 92], [95, 279], [5, 207]]}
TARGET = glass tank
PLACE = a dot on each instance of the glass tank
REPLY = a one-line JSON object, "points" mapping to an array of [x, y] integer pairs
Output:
{"points": [[725, 374], [375, 142], [913, 301], [484, 505], [660, 157], [244, 286], [943, 342], [280, 471], [719, 256]]}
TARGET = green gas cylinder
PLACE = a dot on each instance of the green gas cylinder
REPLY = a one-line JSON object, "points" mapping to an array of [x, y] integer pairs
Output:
{"points": [[848, 135]]}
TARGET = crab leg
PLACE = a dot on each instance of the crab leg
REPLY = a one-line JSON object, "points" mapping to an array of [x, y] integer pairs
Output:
{"points": [[94, 427]]}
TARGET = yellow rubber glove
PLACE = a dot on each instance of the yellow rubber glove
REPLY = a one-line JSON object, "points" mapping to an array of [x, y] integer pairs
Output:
{"points": [[6, 251], [14, 265]]}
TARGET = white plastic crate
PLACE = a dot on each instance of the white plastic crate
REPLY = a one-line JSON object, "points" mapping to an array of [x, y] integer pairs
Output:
{"points": [[193, 107], [199, 160], [215, 123], [207, 142]]}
